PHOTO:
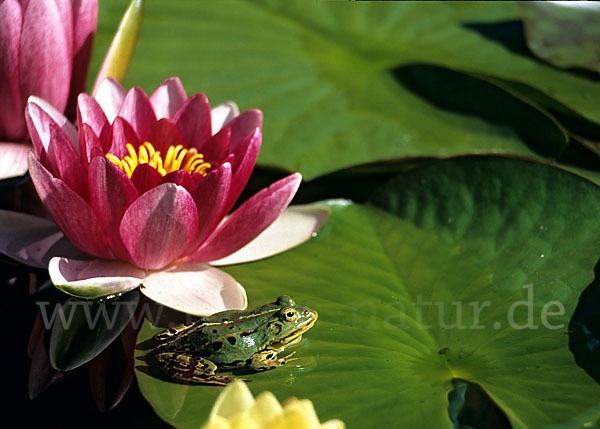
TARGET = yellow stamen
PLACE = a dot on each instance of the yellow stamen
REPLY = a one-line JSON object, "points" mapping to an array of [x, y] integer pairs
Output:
{"points": [[178, 158], [127, 169], [144, 158], [112, 158], [171, 154], [203, 168], [132, 155]]}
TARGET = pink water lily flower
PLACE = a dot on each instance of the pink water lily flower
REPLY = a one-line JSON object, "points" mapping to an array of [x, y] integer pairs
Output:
{"points": [[146, 185], [45, 50]]}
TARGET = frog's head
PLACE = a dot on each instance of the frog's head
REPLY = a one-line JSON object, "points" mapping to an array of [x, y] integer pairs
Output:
{"points": [[289, 323]]}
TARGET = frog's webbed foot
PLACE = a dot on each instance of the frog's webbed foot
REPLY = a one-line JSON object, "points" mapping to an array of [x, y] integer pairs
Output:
{"points": [[190, 369], [267, 359]]}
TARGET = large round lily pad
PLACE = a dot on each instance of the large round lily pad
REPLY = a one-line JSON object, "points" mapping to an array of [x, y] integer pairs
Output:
{"points": [[468, 268]]}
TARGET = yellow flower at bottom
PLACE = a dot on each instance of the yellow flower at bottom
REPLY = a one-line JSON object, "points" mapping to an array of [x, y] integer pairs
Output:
{"points": [[235, 408]]}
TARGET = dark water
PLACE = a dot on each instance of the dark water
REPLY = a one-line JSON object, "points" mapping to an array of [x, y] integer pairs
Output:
{"points": [[67, 402]]}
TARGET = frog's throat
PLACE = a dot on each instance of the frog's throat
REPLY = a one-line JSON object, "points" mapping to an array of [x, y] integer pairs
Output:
{"points": [[287, 340]]}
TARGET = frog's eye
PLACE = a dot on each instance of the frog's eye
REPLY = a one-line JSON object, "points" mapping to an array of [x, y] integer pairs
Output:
{"points": [[289, 314]]}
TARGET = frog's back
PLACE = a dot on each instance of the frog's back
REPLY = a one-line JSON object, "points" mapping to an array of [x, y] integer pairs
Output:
{"points": [[226, 338], [232, 338]]}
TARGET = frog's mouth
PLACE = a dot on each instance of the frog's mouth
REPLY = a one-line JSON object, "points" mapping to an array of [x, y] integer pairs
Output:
{"points": [[294, 337]]}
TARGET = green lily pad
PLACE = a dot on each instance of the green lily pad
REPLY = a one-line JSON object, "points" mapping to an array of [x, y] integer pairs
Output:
{"points": [[463, 269], [326, 76]]}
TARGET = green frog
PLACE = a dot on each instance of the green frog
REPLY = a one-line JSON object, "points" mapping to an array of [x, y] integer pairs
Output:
{"points": [[194, 352]]}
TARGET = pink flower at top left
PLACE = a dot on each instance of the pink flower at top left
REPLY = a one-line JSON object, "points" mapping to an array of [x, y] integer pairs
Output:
{"points": [[142, 188], [45, 50]]}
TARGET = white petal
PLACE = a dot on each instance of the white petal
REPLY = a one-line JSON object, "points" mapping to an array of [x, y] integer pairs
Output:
{"points": [[32, 240], [110, 96], [59, 118], [195, 288], [13, 159], [94, 279], [295, 226], [222, 114]]}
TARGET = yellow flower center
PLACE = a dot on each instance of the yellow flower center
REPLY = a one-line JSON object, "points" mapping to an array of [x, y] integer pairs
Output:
{"points": [[177, 158]]}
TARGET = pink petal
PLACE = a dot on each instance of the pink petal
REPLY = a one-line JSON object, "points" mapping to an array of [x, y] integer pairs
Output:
{"points": [[179, 177], [66, 125], [65, 8], [164, 134], [13, 159], [222, 115], [111, 194], [159, 226], [91, 145], [197, 289], [85, 19], [193, 121], [46, 51], [50, 141], [296, 225], [72, 214], [67, 161], [215, 149], [249, 220], [94, 279], [168, 98], [122, 133], [145, 177], [230, 159], [210, 194], [90, 113], [12, 123], [32, 240], [243, 125], [137, 110], [244, 159], [110, 96], [196, 177], [39, 131]]}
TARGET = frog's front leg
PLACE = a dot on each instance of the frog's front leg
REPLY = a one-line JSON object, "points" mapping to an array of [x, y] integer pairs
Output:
{"points": [[267, 359], [188, 368]]}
